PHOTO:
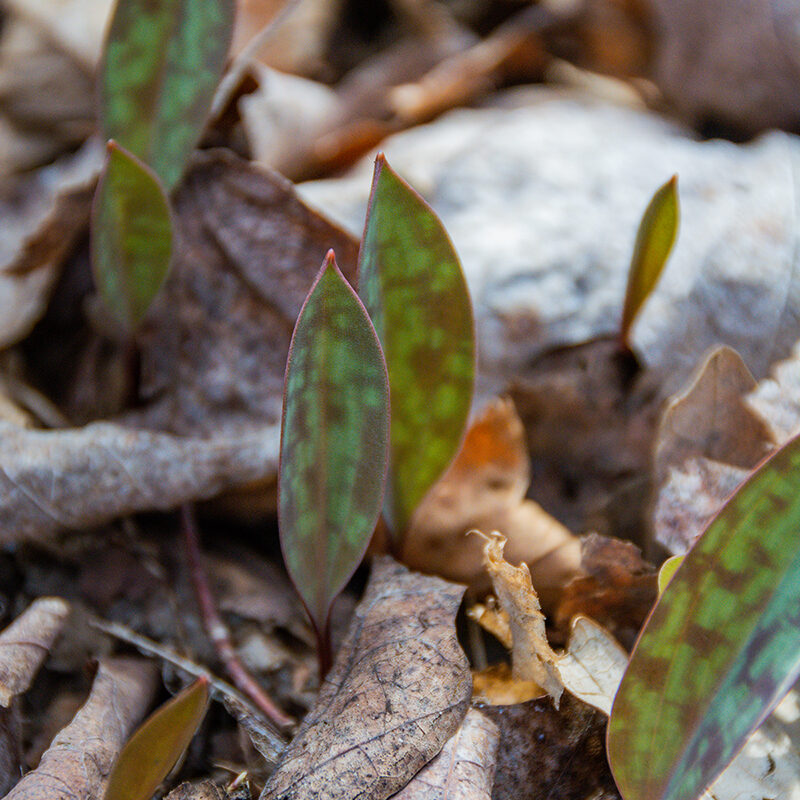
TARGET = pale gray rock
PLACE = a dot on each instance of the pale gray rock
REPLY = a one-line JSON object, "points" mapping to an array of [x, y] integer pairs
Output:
{"points": [[542, 197]]}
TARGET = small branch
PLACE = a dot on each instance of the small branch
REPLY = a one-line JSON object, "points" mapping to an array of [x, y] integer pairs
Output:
{"points": [[216, 628]]}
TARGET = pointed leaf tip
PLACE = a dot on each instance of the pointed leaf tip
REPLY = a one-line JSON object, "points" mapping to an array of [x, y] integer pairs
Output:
{"points": [[655, 239], [721, 646], [411, 282], [334, 441], [131, 236], [158, 744]]}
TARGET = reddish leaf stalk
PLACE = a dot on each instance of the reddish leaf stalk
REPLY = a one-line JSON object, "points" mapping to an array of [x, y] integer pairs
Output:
{"points": [[216, 628]]}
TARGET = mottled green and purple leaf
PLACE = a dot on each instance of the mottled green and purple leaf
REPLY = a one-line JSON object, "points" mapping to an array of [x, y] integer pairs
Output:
{"points": [[334, 442], [131, 236], [654, 242], [156, 746], [161, 65], [721, 647], [411, 282]]}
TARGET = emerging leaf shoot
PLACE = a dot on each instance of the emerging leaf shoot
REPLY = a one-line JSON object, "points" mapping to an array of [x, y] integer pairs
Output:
{"points": [[131, 236], [721, 647], [654, 241], [334, 444], [157, 745], [412, 284], [161, 65]]}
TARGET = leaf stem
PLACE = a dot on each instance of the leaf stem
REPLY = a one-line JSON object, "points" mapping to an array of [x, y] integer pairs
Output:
{"points": [[324, 650], [216, 628]]}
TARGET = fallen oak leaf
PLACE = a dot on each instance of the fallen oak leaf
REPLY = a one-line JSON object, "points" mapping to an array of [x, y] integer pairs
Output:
{"points": [[464, 770], [79, 759], [398, 690]]}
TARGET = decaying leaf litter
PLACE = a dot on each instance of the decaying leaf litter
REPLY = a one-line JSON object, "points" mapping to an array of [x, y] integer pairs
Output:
{"points": [[596, 439]]}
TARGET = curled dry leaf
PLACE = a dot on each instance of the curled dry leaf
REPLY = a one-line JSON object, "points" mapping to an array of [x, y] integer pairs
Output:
{"points": [[50, 479], [593, 664], [618, 587], [531, 656], [399, 688], [25, 644], [464, 770], [484, 488], [79, 759]]}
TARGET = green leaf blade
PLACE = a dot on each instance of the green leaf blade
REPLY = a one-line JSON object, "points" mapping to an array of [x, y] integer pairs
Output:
{"points": [[334, 441], [655, 239], [156, 746], [131, 236], [161, 66], [721, 647], [413, 286]]}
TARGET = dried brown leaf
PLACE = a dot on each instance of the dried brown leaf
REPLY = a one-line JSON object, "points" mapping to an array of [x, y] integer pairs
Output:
{"points": [[45, 217], [485, 488], [618, 588], [546, 753], [777, 399], [688, 500], [593, 664], [25, 643], [75, 26], [589, 418], [464, 770], [711, 435], [78, 761], [52, 480], [494, 619], [10, 748], [531, 657], [496, 686], [202, 790], [710, 419], [214, 354], [398, 690]]}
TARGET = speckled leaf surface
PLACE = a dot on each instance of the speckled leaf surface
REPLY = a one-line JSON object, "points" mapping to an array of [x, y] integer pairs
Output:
{"points": [[411, 282], [721, 647], [131, 240], [654, 241], [334, 441], [157, 745], [161, 65]]}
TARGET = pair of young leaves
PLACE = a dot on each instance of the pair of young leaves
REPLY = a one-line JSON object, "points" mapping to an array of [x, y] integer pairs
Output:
{"points": [[161, 65], [338, 440]]}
